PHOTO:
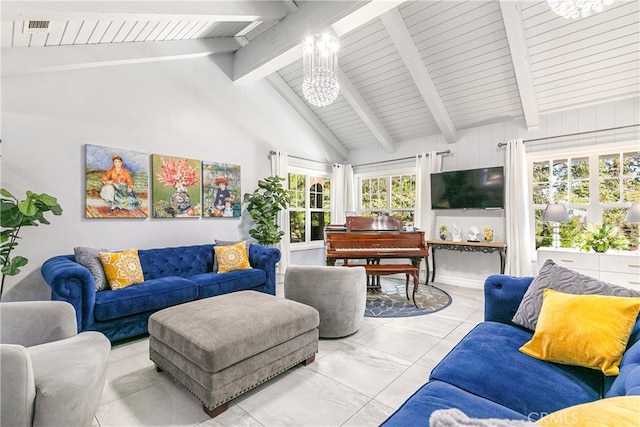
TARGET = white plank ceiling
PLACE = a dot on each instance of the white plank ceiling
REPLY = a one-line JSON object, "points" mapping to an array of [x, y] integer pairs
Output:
{"points": [[408, 69]]}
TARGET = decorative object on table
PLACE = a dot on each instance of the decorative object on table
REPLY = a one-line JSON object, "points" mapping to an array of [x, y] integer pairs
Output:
{"points": [[573, 9], [15, 215], [602, 237], [443, 232], [392, 301], [263, 205], [488, 234], [320, 85], [221, 190], [556, 213], [473, 234], [456, 233], [176, 187], [116, 183]]}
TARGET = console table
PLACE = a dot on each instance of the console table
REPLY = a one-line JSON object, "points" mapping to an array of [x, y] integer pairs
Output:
{"points": [[464, 246]]}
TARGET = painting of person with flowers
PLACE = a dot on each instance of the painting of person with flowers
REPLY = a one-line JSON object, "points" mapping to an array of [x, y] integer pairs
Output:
{"points": [[116, 183], [176, 187], [220, 190]]}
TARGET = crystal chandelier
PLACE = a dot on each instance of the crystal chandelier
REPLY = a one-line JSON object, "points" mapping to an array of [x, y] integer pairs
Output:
{"points": [[320, 69], [575, 8]]}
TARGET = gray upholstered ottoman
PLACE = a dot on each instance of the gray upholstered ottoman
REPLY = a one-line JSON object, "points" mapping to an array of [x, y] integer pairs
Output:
{"points": [[220, 347]]}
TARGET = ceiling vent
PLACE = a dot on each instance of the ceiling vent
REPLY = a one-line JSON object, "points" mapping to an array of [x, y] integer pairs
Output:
{"points": [[36, 27]]}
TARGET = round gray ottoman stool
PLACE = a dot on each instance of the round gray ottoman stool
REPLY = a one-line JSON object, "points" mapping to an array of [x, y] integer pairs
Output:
{"points": [[338, 293]]}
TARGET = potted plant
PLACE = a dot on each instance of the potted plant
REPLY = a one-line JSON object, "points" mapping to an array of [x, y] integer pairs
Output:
{"points": [[15, 215], [602, 237], [263, 205]]}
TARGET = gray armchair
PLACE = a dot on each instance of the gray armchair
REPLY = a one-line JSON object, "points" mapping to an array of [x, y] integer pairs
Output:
{"points": [[49, 374]]}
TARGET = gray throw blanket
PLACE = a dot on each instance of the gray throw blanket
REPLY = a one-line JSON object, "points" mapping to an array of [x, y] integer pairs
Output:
{"points": [[457, 418]]}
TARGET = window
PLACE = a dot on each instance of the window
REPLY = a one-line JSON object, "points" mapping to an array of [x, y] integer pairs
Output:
{"points": [[393, 194], [309, 210], [597, 186]]}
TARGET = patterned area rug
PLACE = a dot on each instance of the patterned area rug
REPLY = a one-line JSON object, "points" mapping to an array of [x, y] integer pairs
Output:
{"points": [[392, 300]]}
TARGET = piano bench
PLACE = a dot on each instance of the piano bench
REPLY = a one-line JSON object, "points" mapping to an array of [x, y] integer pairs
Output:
{"points": [[409, 270]]}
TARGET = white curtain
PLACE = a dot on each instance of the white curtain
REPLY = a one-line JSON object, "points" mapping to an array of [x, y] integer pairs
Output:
{"points": [[425, 218], [342, 193], [280, 167], [517, 210]]}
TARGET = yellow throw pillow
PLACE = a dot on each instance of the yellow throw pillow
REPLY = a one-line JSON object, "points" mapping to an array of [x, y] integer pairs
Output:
{"points": [[584, 330], [232, 257], [620, 411], [122, 268]]}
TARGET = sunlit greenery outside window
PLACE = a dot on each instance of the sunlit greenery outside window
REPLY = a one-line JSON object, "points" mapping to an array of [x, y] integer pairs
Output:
{"points": [[619, 182], [309, 211], [393, 194], [595, 186]]}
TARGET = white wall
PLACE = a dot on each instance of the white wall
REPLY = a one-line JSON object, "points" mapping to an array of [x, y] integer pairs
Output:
{"points": [[181, 108], [478, 147], [190, 108]]}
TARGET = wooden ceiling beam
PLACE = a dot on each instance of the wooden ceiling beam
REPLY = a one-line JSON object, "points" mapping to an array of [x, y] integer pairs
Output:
{"points": [[351, 94], [397, 29], [514, 27], [239, 11], [55, 58], [281, 44]]}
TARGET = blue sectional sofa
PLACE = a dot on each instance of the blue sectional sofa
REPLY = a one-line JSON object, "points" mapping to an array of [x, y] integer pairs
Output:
{"points": [[486, 376], [172, 276]]}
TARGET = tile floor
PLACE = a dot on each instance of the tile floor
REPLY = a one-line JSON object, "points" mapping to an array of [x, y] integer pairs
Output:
{"points": [[355, 381]]}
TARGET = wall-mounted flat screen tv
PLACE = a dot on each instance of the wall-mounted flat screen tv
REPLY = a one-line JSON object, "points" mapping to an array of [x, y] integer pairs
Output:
{"points": [[468, 189]]}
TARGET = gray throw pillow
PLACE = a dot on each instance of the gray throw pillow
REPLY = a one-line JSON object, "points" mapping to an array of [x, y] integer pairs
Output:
{"points": [[561, 279], [225, 243], [90, 259]]}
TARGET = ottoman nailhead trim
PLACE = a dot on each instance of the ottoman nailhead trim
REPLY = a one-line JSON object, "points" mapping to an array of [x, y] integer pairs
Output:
{"points": [[240, 392]]}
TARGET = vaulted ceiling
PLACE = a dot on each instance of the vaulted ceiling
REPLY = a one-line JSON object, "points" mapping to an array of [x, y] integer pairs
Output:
{"points": [[408, 69]]}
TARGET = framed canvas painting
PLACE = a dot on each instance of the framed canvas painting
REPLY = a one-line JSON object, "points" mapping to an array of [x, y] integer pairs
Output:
{"points": [[176, 187], [117, 183], [221, 195]]}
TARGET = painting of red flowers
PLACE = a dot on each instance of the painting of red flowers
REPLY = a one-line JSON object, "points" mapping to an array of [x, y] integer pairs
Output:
{"points": [[176, 187]]}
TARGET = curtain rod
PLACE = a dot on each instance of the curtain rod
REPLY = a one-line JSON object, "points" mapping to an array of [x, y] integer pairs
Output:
{"points": [[271, 152], [402, 158], [363, 164], [502, 144]]}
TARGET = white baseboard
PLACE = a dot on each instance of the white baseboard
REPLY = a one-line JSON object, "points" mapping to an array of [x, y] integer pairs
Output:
{"points": [[459, 281]]}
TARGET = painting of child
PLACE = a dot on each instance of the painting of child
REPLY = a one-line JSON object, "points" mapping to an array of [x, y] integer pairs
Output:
{"points": [[220, 190]]}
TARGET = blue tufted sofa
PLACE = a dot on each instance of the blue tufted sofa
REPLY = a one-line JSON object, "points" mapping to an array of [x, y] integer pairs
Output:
{"points": [[486, 376], [171, 276]]}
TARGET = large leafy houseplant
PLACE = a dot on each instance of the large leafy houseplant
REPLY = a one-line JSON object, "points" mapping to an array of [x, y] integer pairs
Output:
{"points": [[602, 237], [263, 205], [16, 214]]}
